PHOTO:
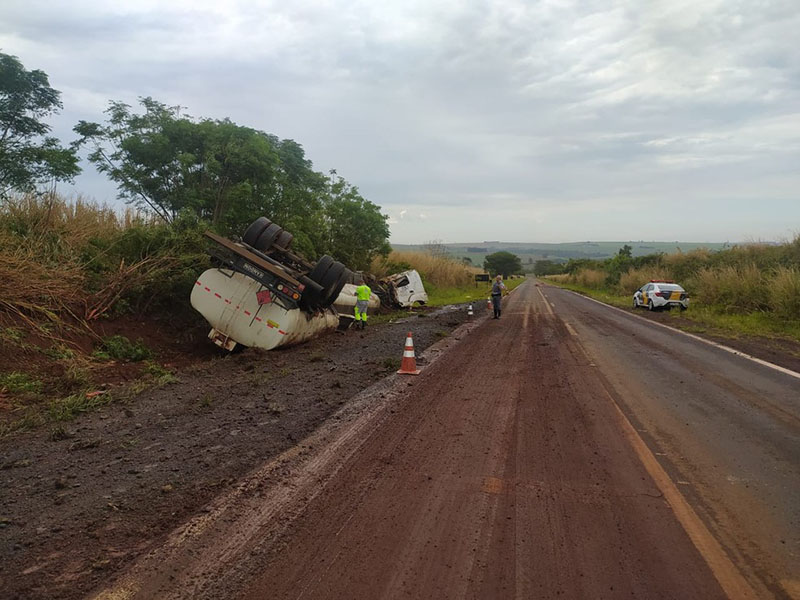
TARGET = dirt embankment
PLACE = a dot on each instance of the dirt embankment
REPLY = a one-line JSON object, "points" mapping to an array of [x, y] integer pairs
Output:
{"points": [[74, 509]]}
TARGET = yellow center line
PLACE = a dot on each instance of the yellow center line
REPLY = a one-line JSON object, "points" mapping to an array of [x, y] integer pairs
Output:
{"points": [[546, 303]]}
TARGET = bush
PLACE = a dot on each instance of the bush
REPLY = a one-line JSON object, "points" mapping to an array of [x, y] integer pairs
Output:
{"points": [[119, 347]]}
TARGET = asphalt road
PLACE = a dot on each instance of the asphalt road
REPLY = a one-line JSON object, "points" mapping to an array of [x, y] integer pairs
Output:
{"points": [[566, 450], [726, 428]]}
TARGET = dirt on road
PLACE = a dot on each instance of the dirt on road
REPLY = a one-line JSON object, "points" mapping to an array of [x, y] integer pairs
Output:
{"points": [[503, 471], [82, 501]]}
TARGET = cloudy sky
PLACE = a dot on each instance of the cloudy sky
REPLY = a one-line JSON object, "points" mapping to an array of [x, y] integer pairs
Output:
{"points": [[540, 121]]}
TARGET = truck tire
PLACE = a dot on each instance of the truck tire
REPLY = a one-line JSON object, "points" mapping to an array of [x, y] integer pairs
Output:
{"points": [[311, 299], [330, 283], [319, 270], [268, 237], [284, 239], [337, 289], [255, 229]]}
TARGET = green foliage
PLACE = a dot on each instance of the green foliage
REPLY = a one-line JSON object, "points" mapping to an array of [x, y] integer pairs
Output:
{"points": [[66, 409], [59, 352], [547, 267], [357, 231], [503, 263], [229, 175], [28, 156], [751, 288], [160, 374], [20, 383], [119, 347]]}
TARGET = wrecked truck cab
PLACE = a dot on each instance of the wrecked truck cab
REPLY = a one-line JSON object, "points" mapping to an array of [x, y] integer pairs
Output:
{"points": [[406, 288]]}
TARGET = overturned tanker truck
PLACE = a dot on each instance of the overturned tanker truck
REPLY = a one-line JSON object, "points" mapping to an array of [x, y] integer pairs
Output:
{"points": [[261, 294]]}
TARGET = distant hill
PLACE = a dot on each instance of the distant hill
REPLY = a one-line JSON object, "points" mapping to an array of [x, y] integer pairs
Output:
{"points": [[529, 253]]}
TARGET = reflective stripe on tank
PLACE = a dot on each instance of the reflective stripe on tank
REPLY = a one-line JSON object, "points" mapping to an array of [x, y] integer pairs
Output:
{"points": [[268, 323]]}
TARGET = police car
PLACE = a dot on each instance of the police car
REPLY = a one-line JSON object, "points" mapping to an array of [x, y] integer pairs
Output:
{"points": [[661, 293]]}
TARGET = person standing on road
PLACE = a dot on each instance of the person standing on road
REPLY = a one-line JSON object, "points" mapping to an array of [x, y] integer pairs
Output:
{"points": [[498, 289], [362, 294]]}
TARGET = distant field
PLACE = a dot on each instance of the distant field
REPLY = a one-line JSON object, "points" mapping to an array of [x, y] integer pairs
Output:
{"points": [[561, 252]]}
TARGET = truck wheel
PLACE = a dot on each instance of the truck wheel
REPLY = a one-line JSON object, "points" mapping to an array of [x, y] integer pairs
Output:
{"points": [[312, 294], [319, 270], [255, 229], [284, 239], [337, 289], [330, 283], [268, 237]]}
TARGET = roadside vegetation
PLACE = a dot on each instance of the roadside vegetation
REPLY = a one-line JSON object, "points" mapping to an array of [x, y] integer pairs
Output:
{"points": [[749, 289], [447, 280]]}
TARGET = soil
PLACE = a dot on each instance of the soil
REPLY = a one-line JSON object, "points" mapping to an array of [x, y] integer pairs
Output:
{"points": [[465, 482], [84, 501], [80, 501]]}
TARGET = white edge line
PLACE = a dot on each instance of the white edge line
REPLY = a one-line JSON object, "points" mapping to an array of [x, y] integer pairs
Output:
{"points": [[778, 368]]}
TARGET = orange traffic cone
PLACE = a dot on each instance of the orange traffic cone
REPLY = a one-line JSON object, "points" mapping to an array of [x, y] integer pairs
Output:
{"points": [[409, 364]]}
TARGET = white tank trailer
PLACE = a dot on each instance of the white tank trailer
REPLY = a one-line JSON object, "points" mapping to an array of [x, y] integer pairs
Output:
{"points": [[241, 311], [260, 294]]}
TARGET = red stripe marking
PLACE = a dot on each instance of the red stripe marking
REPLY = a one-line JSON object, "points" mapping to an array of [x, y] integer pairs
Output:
{"points": [[208, 289], [247, 312], [217, 295], [281, 331], [258, 319], [227, 301], [197, 283]]}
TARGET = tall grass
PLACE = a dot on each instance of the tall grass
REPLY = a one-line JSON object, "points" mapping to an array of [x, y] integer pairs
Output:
{"points": [[739, 288], [436, 270], [784, 292], [633, 279], [755, 280], [72, 257]]}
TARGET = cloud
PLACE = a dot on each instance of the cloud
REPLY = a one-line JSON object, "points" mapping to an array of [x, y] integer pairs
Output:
{"points": [[561, 118]]}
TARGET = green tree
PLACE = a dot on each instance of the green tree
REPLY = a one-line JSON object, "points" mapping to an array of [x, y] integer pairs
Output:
{"points": [[502, 263], [224, 173], [229, 175], [547, 267], [28, 156], [357, 231]]}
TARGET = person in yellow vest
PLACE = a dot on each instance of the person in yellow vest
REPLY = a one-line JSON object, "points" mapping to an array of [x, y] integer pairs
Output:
{"points": [[362, 294]]}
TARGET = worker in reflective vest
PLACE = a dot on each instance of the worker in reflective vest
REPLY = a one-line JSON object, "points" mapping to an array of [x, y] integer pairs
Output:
{"points": [[362, 295]]}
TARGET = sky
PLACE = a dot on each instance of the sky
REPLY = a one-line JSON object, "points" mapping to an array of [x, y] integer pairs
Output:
{"points": [[512, 120]]}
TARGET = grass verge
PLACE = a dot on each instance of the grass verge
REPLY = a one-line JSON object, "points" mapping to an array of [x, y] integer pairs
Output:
{"points": [[706, 319], [459, 295]]}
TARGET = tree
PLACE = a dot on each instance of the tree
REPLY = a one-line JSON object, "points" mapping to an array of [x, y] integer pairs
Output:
{"points": [[28, 156], [227, 174], [547, 267], [357, 230], [502, 263]]}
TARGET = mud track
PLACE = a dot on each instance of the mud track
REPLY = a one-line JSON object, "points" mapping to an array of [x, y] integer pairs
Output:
{"points": [[503, 471], [78, 504]]}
